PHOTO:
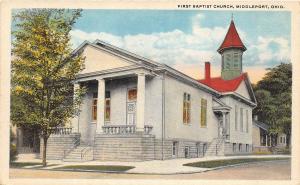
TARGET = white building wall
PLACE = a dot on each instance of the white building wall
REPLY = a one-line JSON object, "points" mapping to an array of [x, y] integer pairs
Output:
{"points": [[174, 113], [236, 135], [242, 90], [153, 105]]}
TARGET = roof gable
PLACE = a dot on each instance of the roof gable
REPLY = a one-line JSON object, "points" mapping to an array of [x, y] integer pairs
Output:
{"points": [[239, 85], [98, 60], [243, 90]]}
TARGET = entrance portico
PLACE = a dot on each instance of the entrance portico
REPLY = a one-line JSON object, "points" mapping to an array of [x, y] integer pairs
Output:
{"points": [[223, 112], [120, 121]]}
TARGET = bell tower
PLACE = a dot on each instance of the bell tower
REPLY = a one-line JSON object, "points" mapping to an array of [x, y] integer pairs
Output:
{"points": [[231, 51]]}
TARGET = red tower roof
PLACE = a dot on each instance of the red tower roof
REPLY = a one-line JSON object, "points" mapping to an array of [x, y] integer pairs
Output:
{"points": [[232, 39]]}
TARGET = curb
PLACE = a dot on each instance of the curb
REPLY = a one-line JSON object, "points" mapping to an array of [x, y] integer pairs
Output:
{"points": [[145, 173]]}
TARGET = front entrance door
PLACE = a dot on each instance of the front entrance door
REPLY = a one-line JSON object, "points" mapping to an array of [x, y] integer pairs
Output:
{"points": [[131, 106]]}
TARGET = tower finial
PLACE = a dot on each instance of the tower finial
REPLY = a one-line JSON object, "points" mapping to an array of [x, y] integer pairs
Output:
{"points": [[231, 16]]}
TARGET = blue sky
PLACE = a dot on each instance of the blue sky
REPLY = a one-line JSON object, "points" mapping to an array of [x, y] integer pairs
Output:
{"points": [[129, 22], [186, 39]]}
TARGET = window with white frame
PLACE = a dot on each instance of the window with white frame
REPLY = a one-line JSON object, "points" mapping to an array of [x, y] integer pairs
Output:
{"points": [[236, 118], [241, 120], [94, 107], [107, 106], [203, 117], [186, 108], [247, 121]]}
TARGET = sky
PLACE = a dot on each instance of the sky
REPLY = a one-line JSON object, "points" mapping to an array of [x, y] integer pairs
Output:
{"points": [[185, 39]]}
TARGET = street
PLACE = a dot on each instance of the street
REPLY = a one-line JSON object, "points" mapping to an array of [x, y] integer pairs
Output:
{"points": [[272, 170]]}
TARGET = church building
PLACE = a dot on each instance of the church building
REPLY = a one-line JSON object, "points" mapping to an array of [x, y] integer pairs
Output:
{"points": [[136, 109]]}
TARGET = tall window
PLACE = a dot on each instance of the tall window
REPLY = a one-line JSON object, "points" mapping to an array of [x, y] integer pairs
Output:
{"points": [[107, 106], [236, 60], [241, 120], [247, 121], [186, 108], [227, 62], [236, 117], [94, 107], [203, 112]]}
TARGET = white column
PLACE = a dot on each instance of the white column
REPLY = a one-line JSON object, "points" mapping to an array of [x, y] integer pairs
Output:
{"points": [[75, 124], [140, 103], [224, 123], [100, 105], [266, 140]]}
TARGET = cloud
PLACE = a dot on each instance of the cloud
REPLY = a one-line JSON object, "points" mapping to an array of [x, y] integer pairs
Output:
{"points": [[173, 47], [268, 51], [188, 51]]}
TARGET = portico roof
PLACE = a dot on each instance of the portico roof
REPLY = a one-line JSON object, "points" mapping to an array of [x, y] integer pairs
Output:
{"points": [[140, 62]]}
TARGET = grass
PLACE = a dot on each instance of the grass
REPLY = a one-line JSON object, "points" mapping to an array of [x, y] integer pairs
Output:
{"points": [[40, 167], [227, 162], [114, 168], [23, 164]]}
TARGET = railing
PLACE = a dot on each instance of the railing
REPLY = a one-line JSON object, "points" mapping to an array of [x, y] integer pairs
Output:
{"points": [[76, 143], [124, 129], [148, 129], [84, 152], [61, 130]]}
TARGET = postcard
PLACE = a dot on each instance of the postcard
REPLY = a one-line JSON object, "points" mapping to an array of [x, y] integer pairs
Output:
{"points": [[149, 92]]}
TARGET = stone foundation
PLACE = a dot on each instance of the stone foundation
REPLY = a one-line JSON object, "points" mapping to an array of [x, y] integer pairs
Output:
{"points": [[240, 149], [135, 147], [57, 144], [139, 147]]}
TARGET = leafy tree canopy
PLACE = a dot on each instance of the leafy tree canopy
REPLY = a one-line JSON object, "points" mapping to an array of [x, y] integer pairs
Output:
{"points": [[274, 101], [43, 69]]}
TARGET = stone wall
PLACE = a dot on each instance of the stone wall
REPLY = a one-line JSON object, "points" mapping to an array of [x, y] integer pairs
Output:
{"points": [[57, 144], [142, 148], [181, 144], [135, 147], [229, 149], [163, 151]]}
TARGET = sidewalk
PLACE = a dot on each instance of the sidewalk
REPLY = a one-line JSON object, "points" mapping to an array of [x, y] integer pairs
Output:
{"points": [[172, 166]]}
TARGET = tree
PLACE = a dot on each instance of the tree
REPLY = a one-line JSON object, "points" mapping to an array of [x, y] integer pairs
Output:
{"points": [[12, 147], [43, 69], [273, 94]]}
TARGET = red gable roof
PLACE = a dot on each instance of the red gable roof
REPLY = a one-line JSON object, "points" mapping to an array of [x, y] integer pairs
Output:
{"points": [[221, 85], [232, 39]]}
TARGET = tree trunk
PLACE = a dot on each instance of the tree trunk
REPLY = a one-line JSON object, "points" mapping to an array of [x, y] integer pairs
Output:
{"points": [[45, 151]]}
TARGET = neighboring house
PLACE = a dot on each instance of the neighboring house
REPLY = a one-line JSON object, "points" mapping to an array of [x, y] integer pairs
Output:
{"points": [[136, 109], [263, 140], [26, 139]]}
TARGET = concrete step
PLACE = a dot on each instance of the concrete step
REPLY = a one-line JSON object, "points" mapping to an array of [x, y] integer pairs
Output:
{"points": [[75, 154]]}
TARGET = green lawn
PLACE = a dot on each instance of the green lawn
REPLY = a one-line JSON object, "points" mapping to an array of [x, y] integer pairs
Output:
{"points": [[226, 162], [114, 168], [23, 164]]}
